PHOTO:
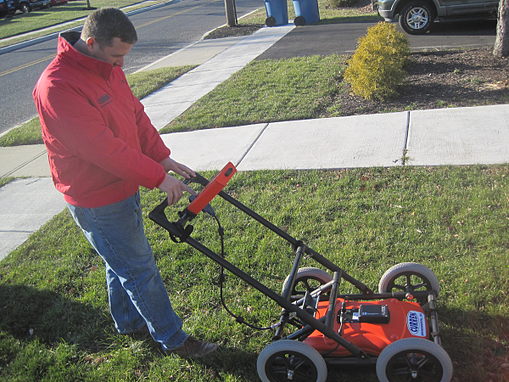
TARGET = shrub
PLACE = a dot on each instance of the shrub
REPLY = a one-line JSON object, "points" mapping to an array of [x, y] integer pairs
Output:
{"points": [[377, 66]]}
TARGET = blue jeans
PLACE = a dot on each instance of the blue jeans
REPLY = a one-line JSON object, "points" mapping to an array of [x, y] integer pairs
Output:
{"points": [[136, 292]]}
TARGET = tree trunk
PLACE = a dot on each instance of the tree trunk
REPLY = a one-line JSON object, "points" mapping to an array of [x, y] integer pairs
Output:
{"points": [[501, 48], [231, 13]]}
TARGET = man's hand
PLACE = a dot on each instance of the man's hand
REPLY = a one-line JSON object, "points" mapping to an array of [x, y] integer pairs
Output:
{"points": [[178, 168], [172, 186]]}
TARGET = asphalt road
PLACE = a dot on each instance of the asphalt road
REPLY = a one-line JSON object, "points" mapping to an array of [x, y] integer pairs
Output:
{"points": [[161, 31]]}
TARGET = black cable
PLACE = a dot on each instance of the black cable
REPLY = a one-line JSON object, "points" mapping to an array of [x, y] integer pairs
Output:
{"points": [[340, 330], [239, 319]]}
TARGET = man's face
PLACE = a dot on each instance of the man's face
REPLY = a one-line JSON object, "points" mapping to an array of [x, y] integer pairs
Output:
{"points": [[113, 54]]}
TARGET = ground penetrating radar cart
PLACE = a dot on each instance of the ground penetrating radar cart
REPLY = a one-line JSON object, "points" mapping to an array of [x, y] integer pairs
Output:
{"points": [[395, 329]]}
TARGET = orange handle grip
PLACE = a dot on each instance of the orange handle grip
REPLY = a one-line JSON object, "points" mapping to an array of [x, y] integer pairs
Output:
{"points": [[212, 189]]}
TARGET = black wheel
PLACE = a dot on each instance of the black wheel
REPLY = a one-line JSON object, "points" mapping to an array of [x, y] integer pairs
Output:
{"points": [[307, 280], [287, 360], [414, 359], [409, 277], [299, 21], [270, 21], [24, 8], [416, 17]]}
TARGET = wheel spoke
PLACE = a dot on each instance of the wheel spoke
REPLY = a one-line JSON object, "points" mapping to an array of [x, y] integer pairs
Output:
{"points": [[308, 287], [419, 286], [301, 368], [401, 371], [279, 370]]}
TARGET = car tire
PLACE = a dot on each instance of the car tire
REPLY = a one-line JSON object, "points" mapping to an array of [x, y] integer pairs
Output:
{"points": [[24, 8], [416, 17]]}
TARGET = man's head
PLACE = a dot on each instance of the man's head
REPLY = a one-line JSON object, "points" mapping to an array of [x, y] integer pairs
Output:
{"points": [[109, 35], [105, 24]]}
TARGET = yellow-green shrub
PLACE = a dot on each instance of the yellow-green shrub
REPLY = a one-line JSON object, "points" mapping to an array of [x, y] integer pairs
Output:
{"points": [[377, 66]]}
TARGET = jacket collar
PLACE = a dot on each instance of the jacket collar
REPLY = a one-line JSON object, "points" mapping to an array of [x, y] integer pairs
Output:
{"points": [[66, 50]]}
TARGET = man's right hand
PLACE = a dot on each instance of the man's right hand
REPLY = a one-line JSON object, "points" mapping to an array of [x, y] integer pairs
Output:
{"points": [[174, 188]]}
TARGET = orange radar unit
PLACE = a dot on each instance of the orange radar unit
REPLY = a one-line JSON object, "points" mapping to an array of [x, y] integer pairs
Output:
{"points": [[212, 189]]}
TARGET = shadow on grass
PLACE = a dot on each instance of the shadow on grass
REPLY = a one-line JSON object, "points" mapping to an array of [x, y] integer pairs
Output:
{"points": [[28, 314], [233, 361], [478, 344]]}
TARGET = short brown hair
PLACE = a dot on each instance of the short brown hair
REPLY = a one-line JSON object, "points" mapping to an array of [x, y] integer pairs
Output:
{"points": [[107, 23]]}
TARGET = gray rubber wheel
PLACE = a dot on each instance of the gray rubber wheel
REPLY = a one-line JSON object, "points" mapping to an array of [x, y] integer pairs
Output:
{"points": [[414, 359], [287, 360], [307, 280], [408, 277]]}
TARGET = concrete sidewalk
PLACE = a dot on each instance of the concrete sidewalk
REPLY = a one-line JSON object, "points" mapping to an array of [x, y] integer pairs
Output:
{"points": [[459, 136]]}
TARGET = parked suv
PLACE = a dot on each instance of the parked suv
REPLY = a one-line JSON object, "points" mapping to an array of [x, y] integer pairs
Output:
{"points": [[416, 16]]}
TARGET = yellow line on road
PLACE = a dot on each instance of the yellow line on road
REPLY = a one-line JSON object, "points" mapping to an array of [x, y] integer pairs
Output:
{"points": [[27, 65]]}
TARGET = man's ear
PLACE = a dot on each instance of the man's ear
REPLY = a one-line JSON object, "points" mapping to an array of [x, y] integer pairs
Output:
{"points": [[91, 44]]}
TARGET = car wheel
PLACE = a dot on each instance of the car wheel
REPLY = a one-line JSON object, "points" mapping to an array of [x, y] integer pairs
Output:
{"points": [[24, 8], [416, 17]]}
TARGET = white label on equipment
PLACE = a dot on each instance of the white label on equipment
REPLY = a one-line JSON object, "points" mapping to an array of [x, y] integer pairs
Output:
{"points": [[416, 322]]}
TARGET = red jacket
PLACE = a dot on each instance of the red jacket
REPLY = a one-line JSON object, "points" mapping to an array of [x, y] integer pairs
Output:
{"points": [[101, 144]]}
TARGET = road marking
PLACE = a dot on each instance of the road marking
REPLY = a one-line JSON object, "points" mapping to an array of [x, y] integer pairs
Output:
{"points": [[27, 65]]}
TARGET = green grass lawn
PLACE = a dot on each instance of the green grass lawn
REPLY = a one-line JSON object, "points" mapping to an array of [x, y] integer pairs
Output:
{"points": [[55, 324], [268, 91]]}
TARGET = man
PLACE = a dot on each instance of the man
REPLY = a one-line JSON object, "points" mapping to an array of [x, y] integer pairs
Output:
{"points": [[101, 147]]}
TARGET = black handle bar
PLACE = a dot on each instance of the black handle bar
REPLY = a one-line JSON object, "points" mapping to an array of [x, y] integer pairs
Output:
{"points": [[158, 216]]}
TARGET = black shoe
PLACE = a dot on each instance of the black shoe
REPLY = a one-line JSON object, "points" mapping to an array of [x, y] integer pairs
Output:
{"points": [[193, 348]]}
